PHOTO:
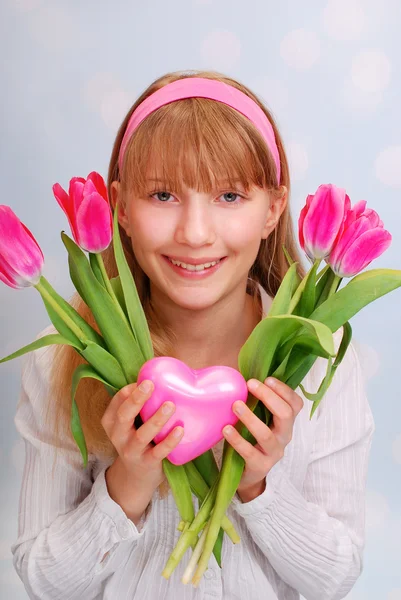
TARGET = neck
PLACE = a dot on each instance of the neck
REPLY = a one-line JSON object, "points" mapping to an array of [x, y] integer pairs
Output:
{"points": [[214, 335]]}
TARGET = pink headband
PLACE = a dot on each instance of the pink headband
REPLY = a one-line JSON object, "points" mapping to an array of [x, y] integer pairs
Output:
{"points": [[198, 87]]}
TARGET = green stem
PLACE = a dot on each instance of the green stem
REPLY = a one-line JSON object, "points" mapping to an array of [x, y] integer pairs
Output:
{"points": [[334, 285], [61, 313], [190, 535], [109, 287], [201, 489]]}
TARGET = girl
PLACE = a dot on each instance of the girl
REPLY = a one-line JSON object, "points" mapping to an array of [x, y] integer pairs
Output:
{"points": [[201, 179]]}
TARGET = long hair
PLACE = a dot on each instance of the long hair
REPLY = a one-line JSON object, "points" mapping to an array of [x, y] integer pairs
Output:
{"points": [[196, 141]]}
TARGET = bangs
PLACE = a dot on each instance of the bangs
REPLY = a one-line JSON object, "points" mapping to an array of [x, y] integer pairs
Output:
{"points": [[197, 143]]}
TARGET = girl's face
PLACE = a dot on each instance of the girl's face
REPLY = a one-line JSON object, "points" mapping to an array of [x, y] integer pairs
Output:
{"points": [[198, 228]]}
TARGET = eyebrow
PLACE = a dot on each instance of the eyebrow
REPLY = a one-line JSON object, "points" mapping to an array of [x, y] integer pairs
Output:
{"points": [[218, 182]]}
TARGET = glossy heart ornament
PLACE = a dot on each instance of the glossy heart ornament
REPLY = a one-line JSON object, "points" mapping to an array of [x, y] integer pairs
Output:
{"points": [[203, 400]]}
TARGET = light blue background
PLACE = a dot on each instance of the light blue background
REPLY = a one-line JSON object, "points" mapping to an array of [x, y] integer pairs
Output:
{"points": [[330, 72]]}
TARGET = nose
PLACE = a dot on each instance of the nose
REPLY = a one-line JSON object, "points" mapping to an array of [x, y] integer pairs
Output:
{"points": [[195, 225]]}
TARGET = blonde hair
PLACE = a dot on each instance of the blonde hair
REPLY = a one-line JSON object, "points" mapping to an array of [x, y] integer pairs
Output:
{"points": [[196, 141]]}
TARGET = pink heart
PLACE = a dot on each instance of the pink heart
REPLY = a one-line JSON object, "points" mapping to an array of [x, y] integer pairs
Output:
{"points": [[203, 399]]}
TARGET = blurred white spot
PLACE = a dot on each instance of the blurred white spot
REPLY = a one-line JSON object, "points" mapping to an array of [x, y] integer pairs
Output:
{"points": [[361, 103], [388, 166], [17, 455], [298, 160], [114, 107], [272, 92], [27, 5], [5, 552], [396, 449], [369, 359], [377, 510], [300, 49], [394, 594], [220, 50], [371, 70], [104, 95], [344, 20], [52, 27]]}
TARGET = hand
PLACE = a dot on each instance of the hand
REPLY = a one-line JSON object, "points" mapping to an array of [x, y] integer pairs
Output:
{"points": [[285, 405], [139, 463]]}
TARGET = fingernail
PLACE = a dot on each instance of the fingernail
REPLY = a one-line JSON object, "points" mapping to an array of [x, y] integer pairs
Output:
{"points": [[253, 384], [270, 381], [146, 386], [239, 408], [167, 408], [227, 430], [178, 432]]}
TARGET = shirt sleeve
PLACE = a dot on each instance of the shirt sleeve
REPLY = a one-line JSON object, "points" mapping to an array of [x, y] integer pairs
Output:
{"points": [[68, 525], [314, 536]]}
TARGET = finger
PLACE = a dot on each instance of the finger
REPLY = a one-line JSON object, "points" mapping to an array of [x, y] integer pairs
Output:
{"points": [[282, 411], [124, 416], [261, 432], [146, 432], [250, 454], [163, 449], [288, 394], [114, 404]]}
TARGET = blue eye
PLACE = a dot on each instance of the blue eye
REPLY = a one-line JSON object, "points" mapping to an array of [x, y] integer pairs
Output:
{"points": [[230, 199], [161, 196]]}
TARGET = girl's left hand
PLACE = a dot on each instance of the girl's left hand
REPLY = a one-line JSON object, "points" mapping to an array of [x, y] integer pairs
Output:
{"points": [[285, 405]]}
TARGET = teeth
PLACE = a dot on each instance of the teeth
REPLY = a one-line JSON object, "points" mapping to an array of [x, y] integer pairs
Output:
{"points": [[193, 267]]}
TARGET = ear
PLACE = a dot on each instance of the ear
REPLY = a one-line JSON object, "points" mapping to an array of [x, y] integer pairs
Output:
{"points": [[278, 202], [116, 196]]}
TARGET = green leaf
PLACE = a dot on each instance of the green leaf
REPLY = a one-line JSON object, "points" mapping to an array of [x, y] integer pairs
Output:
{"points": [[46, 340], [89, 332], [207, 466], [359, 292], [135, 310], [331, 369], [116, 332], [257, 354], [81, 372], [306, 303], [282, 299], [118, 290], [290, 261], [297, 296], [105, 364], [181, 490]]}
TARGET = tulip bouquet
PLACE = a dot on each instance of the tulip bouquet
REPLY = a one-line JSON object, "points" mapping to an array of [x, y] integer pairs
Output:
{"points": [[299, 326]]}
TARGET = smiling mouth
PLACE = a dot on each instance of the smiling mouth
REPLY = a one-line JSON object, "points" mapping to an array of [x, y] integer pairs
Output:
{"points": [[189, 267]]}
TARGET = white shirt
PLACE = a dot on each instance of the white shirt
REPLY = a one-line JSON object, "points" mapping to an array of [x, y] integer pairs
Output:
{"points": [[303, 534]]}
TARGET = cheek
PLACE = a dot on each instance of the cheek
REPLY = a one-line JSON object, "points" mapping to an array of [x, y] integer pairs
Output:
{"points": [[150, 229], [244, 232]]}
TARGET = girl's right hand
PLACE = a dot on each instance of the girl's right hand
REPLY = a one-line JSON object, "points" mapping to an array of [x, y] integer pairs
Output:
{"points": [[138, 460]]}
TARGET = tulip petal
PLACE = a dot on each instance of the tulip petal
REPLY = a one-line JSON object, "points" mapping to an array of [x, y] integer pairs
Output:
{"points": [[367, 247], [349, 235], [99, 184], [323, 220], [7, 275], [62, 198], [94, 223], [22, 258]]}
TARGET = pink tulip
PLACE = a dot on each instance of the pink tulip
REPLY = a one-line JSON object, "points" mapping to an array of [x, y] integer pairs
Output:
{"points": [[321, 219], [362, 238], [21, 259], [88, 211]]}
